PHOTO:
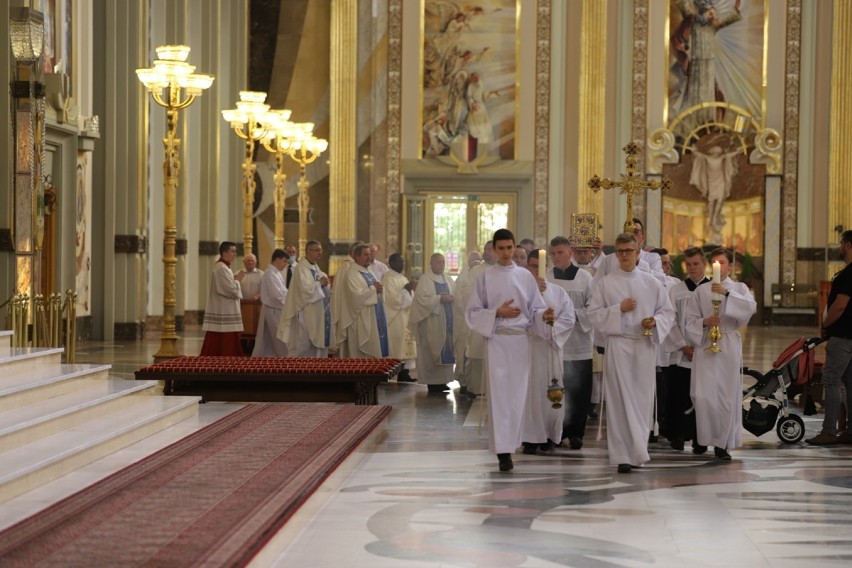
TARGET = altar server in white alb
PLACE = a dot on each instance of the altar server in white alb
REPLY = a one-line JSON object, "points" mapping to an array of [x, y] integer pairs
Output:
{"points": [[716, 376], [626, 304], [431, 322], [273, 294], [542, 422], [306, 319], [504, 307]]}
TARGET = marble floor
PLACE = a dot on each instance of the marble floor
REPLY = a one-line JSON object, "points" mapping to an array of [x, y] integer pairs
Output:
{"points": [[428, 494]]}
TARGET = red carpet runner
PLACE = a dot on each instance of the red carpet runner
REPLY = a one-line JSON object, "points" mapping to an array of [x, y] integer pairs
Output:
{"points": [[214, 498]]}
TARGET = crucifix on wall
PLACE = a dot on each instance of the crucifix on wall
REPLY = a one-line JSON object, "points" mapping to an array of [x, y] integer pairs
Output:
{"points": [[630, 183]]}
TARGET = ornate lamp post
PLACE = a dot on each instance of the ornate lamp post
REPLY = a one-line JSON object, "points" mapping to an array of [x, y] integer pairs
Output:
{"points": [[249, 120], [173, 73], [279, 141], [305, 149]]}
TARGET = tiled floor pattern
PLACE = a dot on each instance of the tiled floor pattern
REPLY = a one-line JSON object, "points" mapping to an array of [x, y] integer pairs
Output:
{"points": [[430, 495]]}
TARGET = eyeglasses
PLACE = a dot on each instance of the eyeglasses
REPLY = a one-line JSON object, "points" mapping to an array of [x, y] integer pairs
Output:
{"points": [[624, 251]]}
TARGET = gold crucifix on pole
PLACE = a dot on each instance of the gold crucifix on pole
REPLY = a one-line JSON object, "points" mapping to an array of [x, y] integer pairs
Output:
{"points": [[630, 182]]}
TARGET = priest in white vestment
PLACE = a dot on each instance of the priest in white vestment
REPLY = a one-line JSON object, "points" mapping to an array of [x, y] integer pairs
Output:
{"points": [[542, 422], [461, 333], [362, 316], [306, 319], [273, 294], [475, 345], [504, 307], [338, 300], [717, 389], [252, 276], [398, 296], [621, 302], [431, 322]]}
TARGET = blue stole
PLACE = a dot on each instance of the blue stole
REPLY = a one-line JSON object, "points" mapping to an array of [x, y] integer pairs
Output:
{"points": [[326, 310], [446, 351], [381, 320]]}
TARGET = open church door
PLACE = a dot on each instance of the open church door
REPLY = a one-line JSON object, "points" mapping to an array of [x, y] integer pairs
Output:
{"points": [[453, 224]]}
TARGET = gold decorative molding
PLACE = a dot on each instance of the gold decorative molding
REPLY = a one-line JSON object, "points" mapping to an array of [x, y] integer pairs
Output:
{"points": [[768, 150], [638, 126], [343, 181], [789, 186], [394, 122], [591, 122], [541, 179], [839, 168], [661, 150]]}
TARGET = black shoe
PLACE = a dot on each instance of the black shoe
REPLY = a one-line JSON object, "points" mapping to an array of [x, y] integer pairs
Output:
{"points": [[653, 438], [405, 377], [530, 449], [445, 388], [593, 413], [505, 462], [463, 390], [547, 446], [698, 449], [722, 454], [624, 468], [436, 388], [575, 443], [677, 444]]}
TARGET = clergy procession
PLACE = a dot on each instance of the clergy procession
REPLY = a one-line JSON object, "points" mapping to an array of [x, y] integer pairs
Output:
{"points": [[543, 335]]}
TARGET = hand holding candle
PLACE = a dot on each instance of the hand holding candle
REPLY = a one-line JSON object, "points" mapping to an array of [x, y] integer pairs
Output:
{"points": [[542, 263]]}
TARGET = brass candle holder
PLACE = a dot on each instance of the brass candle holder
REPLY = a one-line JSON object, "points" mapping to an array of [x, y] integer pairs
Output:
{"points": [[714, 334], [647, 324]]}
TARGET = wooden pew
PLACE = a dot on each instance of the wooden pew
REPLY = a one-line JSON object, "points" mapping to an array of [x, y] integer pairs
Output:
{"points": [[273, 379]]}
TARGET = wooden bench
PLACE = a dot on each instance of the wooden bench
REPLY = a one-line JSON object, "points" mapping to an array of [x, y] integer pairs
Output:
{"points": [[273, 379]]}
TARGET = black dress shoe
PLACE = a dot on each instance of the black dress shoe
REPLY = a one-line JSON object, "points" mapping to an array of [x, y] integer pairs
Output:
{"points": [[405, 377], [546, 447], [722, 454], [624, 468], [505, 462], [435, 388], [530, 449], [698, 449], [677, 444], [575, 443], [653, 438]]}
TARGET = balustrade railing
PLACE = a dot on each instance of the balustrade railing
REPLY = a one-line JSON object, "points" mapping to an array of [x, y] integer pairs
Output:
{"points": [[44, 321]]}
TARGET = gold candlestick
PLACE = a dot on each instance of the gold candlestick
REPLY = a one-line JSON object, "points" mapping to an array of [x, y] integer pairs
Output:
{"points": [[714, 334]]}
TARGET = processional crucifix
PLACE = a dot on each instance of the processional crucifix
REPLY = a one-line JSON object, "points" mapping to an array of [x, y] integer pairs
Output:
{"points": [[630, 182]]}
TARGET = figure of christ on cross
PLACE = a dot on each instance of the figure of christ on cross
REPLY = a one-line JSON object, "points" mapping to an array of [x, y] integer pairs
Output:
{"points": [[630, 183]]}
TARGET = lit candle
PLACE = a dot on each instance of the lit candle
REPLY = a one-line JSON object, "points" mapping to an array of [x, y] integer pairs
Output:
{"points": [[717, 279], [542, 263]]}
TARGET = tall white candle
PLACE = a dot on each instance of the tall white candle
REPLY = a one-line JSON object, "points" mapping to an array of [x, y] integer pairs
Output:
{"points": [[542, 263], [717, 279]]}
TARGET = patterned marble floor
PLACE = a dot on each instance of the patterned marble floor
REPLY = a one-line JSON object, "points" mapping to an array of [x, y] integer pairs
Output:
{"points": [[428, 493]]}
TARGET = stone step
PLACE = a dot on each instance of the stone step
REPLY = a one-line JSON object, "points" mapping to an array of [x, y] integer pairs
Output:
{"points": [[44, 417], [22, 361], [46, 382], [24, 468]]}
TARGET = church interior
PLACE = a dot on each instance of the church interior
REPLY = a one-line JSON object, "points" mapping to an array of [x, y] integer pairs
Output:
{"points": [[424, 126]]}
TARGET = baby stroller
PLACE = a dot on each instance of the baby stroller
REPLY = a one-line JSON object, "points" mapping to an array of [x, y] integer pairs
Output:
{"points": [[767, 398]]}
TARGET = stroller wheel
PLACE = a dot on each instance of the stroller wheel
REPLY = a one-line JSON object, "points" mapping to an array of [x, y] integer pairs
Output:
{"points": [[791, 429]]}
